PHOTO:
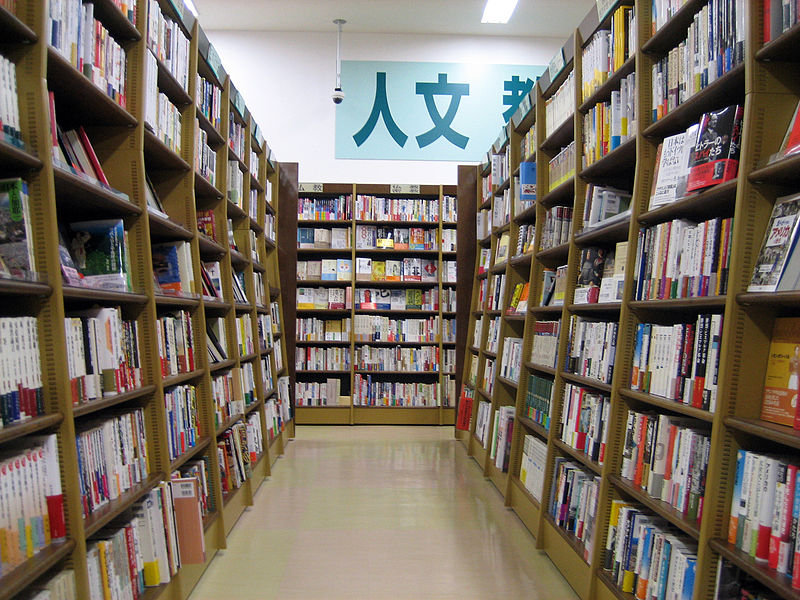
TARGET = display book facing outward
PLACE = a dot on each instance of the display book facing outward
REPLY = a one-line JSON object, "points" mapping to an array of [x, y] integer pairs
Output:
{"points": [[377, 302], [678, 377], [120, 285]]}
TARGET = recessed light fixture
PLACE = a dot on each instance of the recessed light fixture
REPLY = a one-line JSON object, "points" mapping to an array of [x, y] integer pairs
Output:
{"points": [[498, 11], [190, 5]]}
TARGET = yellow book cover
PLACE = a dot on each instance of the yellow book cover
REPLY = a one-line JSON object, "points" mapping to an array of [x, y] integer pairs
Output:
{"points": [[378, 270], [501, 255], [512, 307], [782, 380], [104, 569]]}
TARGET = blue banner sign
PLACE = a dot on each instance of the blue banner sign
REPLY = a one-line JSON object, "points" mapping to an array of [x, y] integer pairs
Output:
{"points": [[427, 111]]}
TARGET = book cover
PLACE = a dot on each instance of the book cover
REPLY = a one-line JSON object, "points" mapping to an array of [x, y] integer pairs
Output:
{"points": [[527, 181], [401, 239], [780, 239], [414, 299], [169, 266], [305, 236], [385, 238], [16, 249], [328, 269], [673, 168], [378, 270], [501, 254], [430, 270], [782, 378], [791, 141], [416, 237], [322, 237], [715, 157], [314, 269], [344, 269], [363, 269], [394, 270], [98, 249], [412, 269], [340, 237], [68, 269]]}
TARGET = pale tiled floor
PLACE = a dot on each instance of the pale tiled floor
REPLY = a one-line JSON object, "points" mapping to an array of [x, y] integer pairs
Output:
{"points": [[379, 513]]}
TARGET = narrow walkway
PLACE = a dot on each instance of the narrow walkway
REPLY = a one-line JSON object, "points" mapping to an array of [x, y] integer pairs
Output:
{"points": [[373, 513]]}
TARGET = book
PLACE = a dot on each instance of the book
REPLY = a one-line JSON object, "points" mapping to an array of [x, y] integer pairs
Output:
{"points": [[378, 270], [715, 157], [328, 269], [100, 253], [401, 238], [590, 275], [322, 237], [340, 237], [394, 270], [672, 167], [172, 266], [363, 269], [791, 141], [344, 269], [527, 181], [153, 201], [780, 239], [782, 377], [16, 237]]}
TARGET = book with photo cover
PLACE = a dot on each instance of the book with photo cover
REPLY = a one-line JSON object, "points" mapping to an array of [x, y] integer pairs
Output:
{"points": [[715, 157], [780, 240], [16, 238], [782, 378], [172, 266], [100, 253]]}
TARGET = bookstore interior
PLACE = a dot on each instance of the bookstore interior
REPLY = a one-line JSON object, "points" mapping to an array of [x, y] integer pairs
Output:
{"points": [[610, 328]]}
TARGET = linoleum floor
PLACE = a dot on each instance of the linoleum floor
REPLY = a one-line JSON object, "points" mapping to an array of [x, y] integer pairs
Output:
{"points": [[379, 513]]}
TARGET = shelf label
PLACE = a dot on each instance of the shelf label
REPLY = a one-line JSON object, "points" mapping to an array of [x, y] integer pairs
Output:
{"points": [[603, 8], [404, 188], [310, 188], [177, 5], [556, 64], [214, 61]]}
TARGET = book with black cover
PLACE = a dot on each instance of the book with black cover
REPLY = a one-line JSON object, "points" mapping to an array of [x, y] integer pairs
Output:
{"points": [[715, 158]]}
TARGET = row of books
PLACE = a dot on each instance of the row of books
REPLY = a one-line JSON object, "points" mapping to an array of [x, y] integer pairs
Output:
{"points": [[234, 457], [679, 362], [309, 358], [538, 400], [172, 267], [375, 208], [779, 15], [163, 117], [584, 421], [205, 159], [604, 205], [102, 354], [562, 166], [488, 377], [682, 259], [325, 209], [406, 269], [526, 239], [60, 586], [591, 348], [112, 458], [82, 40], [560, 106], [607, 50], [244, 334], [168, 43], [30, 492], [235, 183], [483, 224], [9, 106], [372, 237], [413, 299], [646, 556], [425, 359], [311, 329], [21, 391], [183, 425], [493, 335], [322, 237], [320, 393], [557, 227], [324, 298], [483, 418], [608, 125], [265, 331], [713, 46], [449, 391], [247, 382], [377, 328], [545, 343], [667, 457], [532, 465], [573, 501], [368, 391], [511, 360], [500, 166], [226, 402], [502, 433], [496, 295], [175, 339], [209, 101], [777, 266], [449, 209], [216, 339], [519, 299], [236, 135]]}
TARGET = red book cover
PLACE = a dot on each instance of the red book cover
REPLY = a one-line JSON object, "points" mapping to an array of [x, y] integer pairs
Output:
{"points": [[715, 157], [637, 474], [87, 146], [791, 143], [134, 575]]}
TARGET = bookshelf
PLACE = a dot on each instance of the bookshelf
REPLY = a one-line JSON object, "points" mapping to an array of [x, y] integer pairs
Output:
{"points": [[135, 150], [764, 79], [335, 217]]}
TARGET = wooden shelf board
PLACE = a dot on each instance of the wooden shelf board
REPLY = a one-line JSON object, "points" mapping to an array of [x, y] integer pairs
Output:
{"points": [[508, 382], [526, 216], [499, 267], [93, 295], [19, 287], [242, 306], [227, 497], [606, 579], [274, 292], [537, 428], [784, 171], [572, 541], [521, 260], [393, 344], [324, 223], [674, 30], [153, 592], [484, 393], [714, 201], [14, 158], [209, 247], [764, 429], [324, 311], [489, 353], [187, 302], [258, 267], [115, 21], [85, 102], [514, 318], [399, 224], [680, 304], [395, 373], [323, 342], [12, 30], [501, 229], [667, 404], [203, 188], [603, 92], [236, 212], [780, 584], [221, 365], [728, 89], [563, 193], [396, 284], [322, 372], [555, 254], [15, 431], [561, 136], [163, 228], [170, 86], [587, 381], [605, 234], [249, 357], [235, 157], [255, 184], [392, 252], [216, 305], [160, 156], [180, 378], [579, 456], [621, 161], [215, 139], [202, 444], [29, 571], [360, 406], [662, 509], [597, 307], [783, 47], [230, 422], [92, 407], [102, 516], [85, 197], [373, 311], [545, 310], [502, 187], [540, 368], [250, 408], [339, 251]]}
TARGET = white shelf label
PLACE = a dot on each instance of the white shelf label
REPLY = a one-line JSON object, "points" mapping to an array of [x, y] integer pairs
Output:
{"points": [[404, 188], [310, 188], [603, 8], [556, 64]]}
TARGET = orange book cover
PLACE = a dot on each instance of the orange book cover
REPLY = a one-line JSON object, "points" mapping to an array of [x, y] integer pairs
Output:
{"points": [[782, 379], [189, 520]]}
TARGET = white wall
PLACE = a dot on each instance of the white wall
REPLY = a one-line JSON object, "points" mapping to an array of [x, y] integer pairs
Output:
{"points": [[287, 78]]}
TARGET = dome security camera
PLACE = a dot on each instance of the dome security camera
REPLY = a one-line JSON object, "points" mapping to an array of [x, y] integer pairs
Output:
{"points": [[337, 96]]}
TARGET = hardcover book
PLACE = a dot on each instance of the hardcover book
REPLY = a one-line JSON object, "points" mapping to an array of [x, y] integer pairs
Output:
{"points": [[401, 240], [778, 245], [71, 274], [314, 269], [16, 249], [328, 269], [363, 269], [527, 181], [378, 270], [672, 164], [394, 270], [344, 269], [322, 237], [416, 239], [340, 237], [715, 158], [172, 266], [100, 253], [782, 379]]}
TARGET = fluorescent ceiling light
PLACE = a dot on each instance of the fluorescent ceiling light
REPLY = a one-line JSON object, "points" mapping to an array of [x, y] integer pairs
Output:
{"points": [[498, 11], [190, 5]]}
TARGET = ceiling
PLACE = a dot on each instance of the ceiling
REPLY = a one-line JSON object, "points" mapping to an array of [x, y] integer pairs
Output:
{"points": [[532, 18]]}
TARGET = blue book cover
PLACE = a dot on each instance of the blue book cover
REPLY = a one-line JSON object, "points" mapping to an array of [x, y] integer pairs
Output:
{"points": [[527, 181], [688, 578]]}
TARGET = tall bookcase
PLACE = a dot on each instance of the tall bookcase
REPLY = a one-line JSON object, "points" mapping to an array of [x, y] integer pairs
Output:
{"points": [[767, 84], [130, 151], [350, 412]]}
